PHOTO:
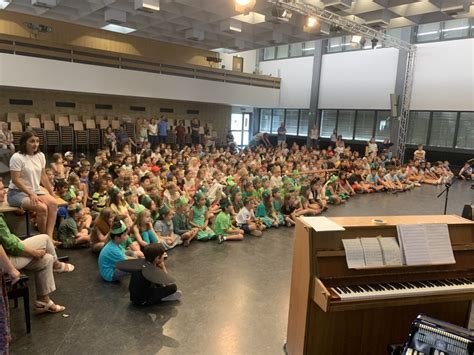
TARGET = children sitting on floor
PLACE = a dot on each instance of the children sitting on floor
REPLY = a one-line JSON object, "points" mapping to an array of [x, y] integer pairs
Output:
{"points": [[72, 232]]}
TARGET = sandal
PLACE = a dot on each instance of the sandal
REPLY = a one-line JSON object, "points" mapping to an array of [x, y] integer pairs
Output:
{"points": [[65, 267], [50, 307]]}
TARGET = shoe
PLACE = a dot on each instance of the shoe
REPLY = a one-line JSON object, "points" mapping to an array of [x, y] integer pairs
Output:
{"points": [[256, 233], [417, 184], [220, 239], [173, 297]]}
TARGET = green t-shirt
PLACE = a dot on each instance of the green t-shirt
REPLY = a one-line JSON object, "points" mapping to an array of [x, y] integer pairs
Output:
{"points": [[10, 242], [222, 223]]}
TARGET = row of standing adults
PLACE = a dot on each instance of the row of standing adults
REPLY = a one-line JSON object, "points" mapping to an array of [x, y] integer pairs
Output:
{"points": [[157, 132]]}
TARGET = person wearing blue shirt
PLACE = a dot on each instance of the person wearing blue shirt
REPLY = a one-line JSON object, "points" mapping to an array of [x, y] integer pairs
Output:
{"points": [[162, 130], [113, 252]]}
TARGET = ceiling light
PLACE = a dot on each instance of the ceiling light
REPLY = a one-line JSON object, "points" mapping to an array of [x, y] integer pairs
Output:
{"points": [[4, 3], [117, 28], [244, 6], [147, 5], [356, 39], [311, 21]]}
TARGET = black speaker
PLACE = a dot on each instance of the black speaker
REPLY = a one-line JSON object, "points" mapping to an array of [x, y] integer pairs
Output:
{"points": [[467, 212]]}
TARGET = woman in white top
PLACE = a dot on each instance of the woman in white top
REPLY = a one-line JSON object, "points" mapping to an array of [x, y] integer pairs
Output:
{"points": [[372, 147], [153, 133], [27, 168]]}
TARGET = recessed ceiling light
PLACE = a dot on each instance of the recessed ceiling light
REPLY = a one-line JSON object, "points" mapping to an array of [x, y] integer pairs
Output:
{"points": [[223, 50], [252, 18], [118, 28]]}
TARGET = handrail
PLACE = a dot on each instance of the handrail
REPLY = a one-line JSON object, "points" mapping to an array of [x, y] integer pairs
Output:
{"points": [[43, 49]]}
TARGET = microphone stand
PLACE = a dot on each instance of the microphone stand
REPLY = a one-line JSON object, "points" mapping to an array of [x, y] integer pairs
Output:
{"points": [[446, 192]]}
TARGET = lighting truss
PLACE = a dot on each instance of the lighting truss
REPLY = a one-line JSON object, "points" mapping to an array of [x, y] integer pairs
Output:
{"points": [[348, 25]]}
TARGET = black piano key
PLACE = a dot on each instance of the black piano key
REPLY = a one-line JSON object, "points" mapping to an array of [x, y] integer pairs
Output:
{"points": [[388, 287], [407, 285], [430, 283], [440, 284], [446, 283], [337, 289], [346, 289]]}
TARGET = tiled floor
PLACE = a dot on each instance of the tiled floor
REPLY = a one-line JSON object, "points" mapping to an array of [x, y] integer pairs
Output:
{"points": [[235, 295]]}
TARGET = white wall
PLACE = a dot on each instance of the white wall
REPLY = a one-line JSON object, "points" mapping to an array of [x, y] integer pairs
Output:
{"points": [[444, 76], [38, 73], [358, 80], [296, 79], [250, 60]]}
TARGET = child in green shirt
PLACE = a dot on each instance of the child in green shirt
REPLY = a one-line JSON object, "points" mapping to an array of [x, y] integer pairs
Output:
{"points": [[223, 225], [71, 232]]}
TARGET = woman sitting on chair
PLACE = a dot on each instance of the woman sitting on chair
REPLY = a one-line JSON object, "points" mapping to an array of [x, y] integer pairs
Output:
{"points": [[27, 167]]}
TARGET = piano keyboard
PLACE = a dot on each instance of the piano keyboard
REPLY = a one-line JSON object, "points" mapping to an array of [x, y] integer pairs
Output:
{"points": [[404, 289]]}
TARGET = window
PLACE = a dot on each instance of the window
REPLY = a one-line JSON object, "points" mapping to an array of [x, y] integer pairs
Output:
{"points": [[418, 125], [364, 125], [265, 120], [309, 47], [334, 44], [291, 122], [328, 122], [282, 51], [269, 53], [345, 124], [349, 45], [296, 49], [304, 119], [442, 129], [465, 137], [456, 28], [428, 32], [382, 126], [239, 125], [278, 117]]}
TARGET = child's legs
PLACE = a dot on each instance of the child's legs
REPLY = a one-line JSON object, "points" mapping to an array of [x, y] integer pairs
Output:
{"points": [[119, 274]]}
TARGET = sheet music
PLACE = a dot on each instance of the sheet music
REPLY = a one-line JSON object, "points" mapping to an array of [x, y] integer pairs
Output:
{"points": [[322, 224], [390, 250], [415, 244], [372, 252], [354, 253], [439, 244]]}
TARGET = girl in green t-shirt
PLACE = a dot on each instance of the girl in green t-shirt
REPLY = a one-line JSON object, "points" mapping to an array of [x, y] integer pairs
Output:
{"points": [[223, 226]]}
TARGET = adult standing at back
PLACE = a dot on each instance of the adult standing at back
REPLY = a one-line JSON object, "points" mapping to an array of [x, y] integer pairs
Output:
{"points": [[27, 167], [314, 136], [162, 130], [195, 135], [281, 135], [153, 133]]}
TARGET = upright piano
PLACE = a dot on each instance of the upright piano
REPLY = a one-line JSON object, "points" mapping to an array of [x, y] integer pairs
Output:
{"points": [[337, 310]]}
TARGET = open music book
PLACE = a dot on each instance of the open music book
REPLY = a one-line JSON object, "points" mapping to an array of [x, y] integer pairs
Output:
{"points": [[418, 244], [425, 244]]}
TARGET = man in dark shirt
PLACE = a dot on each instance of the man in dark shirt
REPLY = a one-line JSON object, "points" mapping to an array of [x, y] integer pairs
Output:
{"points": [[144, 292]]}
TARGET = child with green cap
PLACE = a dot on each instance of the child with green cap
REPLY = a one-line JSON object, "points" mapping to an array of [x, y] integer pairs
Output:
{"points": [[165, 229], [199, 217], [266, 212], [181, 222], [223, 225], [113, 252]]}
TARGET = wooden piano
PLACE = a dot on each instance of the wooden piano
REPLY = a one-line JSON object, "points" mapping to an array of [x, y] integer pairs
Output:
{"points": [[336, 310]]}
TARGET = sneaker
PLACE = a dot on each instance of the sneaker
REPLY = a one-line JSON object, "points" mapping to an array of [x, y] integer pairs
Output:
{"points": [[220, 239], [417, 184], [256, 233], [173, 297]]}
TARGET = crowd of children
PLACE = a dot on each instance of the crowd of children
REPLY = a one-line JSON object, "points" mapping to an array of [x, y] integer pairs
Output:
{"points": [[121, 203]]}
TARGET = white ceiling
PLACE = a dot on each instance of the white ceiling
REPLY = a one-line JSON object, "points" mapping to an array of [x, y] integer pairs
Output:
{"points": [[204, 17]]}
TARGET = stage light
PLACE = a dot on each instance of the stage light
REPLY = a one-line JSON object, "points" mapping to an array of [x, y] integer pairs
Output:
{"points": [[362, 42], [281, 14], [311, 22], [374, 42], [244, 6], [356, 39]]}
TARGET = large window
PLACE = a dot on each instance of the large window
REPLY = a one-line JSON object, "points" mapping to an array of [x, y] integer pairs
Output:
{"points": [[303, 126], [296, 49], [418, 126], [291, 122], [382, 126], [364, 125], [282, 51], [458, 28], [465, 138], [269, 53], [446, 30], [443, 129], [334, 44], [309, 47], [428, 32], [278, 118], [265, 120], [328, 122], [345, 124]]}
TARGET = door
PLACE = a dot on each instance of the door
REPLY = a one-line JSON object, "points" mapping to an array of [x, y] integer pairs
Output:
{"points": [[240, 127], [238, 64]]}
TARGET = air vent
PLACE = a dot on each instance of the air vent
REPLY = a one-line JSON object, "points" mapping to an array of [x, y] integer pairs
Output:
{"points": [[103, 107], [21, 102], [192, 112], [65, 104], [137, 108], [167, 110]]}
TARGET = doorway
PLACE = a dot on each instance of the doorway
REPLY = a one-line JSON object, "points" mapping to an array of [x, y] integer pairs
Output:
{"points": [[240, 127]]}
